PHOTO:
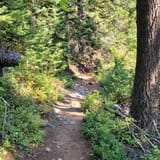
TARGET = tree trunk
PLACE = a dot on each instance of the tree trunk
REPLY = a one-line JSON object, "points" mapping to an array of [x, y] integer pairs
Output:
{"points": [[145, 95]]}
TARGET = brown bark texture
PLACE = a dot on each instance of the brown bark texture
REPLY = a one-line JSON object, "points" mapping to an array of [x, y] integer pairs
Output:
{"points": [[145, 94]]}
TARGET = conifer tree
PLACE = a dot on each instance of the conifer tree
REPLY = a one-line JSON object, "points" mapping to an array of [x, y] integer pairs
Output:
{"points": [[145, 96]]}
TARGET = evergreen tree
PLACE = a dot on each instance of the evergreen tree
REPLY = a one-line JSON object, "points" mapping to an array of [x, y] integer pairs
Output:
{"points": [[145, 96]]}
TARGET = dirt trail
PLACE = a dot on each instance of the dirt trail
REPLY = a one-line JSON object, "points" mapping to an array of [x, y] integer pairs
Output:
{"points": [[64, 139]]}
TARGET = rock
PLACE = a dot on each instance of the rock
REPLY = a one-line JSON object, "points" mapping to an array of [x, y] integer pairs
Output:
{"points": [[79, 90], [57, 159], [58, 146], [48, 149], [57, 110], [59, 117], [51, 125], [72, 122], [66, 122], [69, 122]]}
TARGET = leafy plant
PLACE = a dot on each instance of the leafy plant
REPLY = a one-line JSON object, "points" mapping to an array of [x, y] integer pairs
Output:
{"points": [[92, 102], [20, 118], [152, 154], [100, 127], [117, 82]]}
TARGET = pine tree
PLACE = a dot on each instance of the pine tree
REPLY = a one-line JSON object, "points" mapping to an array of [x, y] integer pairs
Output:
{"points": [[145, 96]]}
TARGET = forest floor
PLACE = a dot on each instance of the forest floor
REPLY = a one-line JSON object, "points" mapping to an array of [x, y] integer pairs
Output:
{"points": [[64, 139]]}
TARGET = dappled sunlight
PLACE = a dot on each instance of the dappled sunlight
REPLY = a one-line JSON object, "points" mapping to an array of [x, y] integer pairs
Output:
{"points": [[72, 109], [39, 89], [71, 105], [78, 57], [6, 155], [72, 113]]}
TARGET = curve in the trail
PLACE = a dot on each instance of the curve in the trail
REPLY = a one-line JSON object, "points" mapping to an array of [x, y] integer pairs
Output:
{"points": [[64, 139]]}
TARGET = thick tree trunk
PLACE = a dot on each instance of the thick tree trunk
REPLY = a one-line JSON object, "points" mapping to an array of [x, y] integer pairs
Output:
{"points": [[145, 95]]}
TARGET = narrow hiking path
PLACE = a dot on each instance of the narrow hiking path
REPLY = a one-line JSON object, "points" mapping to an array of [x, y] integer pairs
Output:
{"points": [[64, 139]]}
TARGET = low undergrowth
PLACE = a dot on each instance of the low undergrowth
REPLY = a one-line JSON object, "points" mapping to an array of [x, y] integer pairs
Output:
{"points": [[104, 130], [115, 136], [23, 99]]}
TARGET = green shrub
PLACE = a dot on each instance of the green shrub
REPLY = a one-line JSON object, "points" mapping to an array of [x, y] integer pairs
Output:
{"points": [[20, 119], [111, 133], [152, 154], [117, 82], [23, 127], [92, 102], [100, 128], [40, 89]]}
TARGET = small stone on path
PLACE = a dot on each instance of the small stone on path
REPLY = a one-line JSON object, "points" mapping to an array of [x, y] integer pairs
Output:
{"points": [[58, 147], [51, 125], [57, 110], [69, 122], [73, 122], [48, 149], [59, 117]]}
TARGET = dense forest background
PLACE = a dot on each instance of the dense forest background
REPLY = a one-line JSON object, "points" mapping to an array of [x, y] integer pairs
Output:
{"points": [[97, 37]]}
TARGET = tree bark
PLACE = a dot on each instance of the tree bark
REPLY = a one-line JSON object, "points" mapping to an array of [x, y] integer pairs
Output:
{"points": [[145, 94]]}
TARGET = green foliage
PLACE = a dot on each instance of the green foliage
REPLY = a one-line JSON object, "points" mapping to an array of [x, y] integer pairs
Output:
{"points": [[23, 127], [113, 134], [14, 24], [92, 102], [63, 5], [47, 33], [32, 89], [117, 82], [118, 38], [107, 129], [117, 25], [44, 55], [121, 129], [117, 32], [100, 128], [153, 154], [41, 89], [21, 121]]}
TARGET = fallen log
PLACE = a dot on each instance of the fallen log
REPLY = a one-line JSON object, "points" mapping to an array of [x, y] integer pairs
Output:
{"points": [[8, 59]]}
